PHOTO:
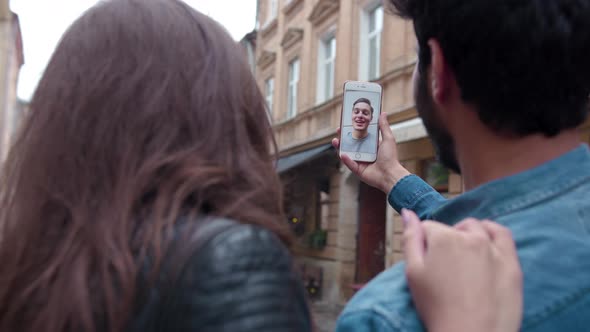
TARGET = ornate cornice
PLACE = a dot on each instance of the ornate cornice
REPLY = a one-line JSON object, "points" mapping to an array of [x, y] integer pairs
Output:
{"points": [[323, 9], [290, 7], [269, 27], [292, 36], [266, 58]]}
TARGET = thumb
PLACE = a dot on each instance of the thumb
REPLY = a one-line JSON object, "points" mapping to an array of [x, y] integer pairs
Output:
{"points": [[386, 132], [414, 239]]}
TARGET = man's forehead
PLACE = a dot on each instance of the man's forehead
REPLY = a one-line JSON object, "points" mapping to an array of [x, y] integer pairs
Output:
{"points": [[362, 105]]}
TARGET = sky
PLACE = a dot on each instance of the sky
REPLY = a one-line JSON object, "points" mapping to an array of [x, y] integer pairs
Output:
{"points": [[44, 21]]}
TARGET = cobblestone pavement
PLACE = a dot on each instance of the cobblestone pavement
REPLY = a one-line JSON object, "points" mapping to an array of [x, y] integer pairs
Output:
{"points": [[325, 317]]}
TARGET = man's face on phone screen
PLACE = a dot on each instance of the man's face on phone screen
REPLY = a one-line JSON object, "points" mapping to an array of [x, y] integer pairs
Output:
{"points": [[361, 116]]}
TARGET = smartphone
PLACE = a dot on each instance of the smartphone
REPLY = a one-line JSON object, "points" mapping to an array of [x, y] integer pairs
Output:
{"points": [[359, 120]]}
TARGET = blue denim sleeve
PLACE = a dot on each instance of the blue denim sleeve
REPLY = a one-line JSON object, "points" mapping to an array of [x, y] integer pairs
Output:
{"points": [[412, 193], [363, 322]]}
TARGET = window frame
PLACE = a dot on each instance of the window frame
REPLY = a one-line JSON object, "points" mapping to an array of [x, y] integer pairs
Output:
{"points": [[269, 89], [367, 60], [273, 10], [294, 75], [326, 77]]}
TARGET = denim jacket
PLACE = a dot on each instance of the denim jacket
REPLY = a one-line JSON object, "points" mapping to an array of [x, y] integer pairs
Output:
{"points": [[547, 208]]}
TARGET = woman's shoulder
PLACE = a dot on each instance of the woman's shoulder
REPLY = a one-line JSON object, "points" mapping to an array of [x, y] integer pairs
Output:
{"points": [[237, 268], [216, 240]]}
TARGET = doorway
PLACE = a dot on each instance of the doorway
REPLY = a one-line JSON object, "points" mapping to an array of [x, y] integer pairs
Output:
{"points": [[371, 234]]}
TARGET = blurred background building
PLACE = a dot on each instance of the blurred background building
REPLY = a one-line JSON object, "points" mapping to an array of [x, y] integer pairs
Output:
{"points": [[11, 60], [249, 45], [305, 51]]}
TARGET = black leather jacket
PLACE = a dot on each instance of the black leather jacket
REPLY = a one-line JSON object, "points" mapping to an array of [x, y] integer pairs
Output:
{"points": [[241, 278]]}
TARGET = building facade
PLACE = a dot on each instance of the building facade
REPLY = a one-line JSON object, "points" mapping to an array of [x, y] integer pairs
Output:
{"points": [[305, 51], [11, 60], [248, 44]]}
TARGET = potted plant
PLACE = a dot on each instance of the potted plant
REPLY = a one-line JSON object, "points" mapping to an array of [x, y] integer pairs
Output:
{"points": [[318, 239]]}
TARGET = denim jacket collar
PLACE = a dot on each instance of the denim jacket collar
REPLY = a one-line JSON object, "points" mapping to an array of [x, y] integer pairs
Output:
{"points": [[502, 196]]}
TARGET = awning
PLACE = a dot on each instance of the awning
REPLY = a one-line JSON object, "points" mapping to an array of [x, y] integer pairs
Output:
{"points": [[288, 162], [409, 130]]}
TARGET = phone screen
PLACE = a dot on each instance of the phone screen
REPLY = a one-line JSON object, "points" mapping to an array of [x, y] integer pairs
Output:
{"points": [[360, 116]]}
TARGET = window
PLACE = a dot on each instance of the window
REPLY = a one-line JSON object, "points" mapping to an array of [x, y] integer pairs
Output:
{"points": [[375, 27], [326, 65], [292, 88], [269, 88], [273, 9], [324, 204], [371, 43], [319, 236], [436, 175]]}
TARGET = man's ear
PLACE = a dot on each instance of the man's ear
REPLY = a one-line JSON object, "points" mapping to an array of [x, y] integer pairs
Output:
{"points": [[439, 75]]}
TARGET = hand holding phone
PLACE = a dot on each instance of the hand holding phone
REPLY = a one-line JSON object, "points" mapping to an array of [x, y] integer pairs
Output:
{"points": [[381, 169], [359, 130]]}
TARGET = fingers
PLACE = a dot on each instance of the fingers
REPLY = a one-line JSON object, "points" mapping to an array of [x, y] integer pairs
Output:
{"points": [[506, 248], [414, 239], [437, 235], [500, 235], [351, 164], [414, 245], [386, 132], [473, 226], [336, 143]]}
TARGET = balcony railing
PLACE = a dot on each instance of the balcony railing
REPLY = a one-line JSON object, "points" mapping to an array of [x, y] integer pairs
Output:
{"points": [[315, 123]]}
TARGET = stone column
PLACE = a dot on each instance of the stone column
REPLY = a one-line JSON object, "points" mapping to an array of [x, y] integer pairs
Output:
{"points": [[347, 231]]}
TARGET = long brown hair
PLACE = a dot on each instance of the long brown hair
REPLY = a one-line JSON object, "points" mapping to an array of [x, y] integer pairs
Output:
{"points": [[146, 112]]}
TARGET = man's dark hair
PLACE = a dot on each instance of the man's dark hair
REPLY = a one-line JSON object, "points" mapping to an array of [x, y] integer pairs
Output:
{"points": [[363, 100], [525, 64]]}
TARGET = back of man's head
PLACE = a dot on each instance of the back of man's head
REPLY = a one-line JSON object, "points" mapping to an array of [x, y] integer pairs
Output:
{"points": [[524, 64]]}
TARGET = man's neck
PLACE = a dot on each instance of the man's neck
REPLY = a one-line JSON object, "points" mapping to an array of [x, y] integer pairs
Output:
{"points": [[360, 134], [491, 157]]}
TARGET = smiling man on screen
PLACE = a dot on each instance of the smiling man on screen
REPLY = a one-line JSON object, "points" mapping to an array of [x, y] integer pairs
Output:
{"points": [[360, 139]]}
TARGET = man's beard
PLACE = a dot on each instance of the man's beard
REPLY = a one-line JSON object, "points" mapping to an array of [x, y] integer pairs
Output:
{"points": [[444, 146]]}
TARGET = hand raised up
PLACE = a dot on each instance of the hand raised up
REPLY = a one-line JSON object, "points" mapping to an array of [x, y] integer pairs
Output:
{"points": [[386, 171]]}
